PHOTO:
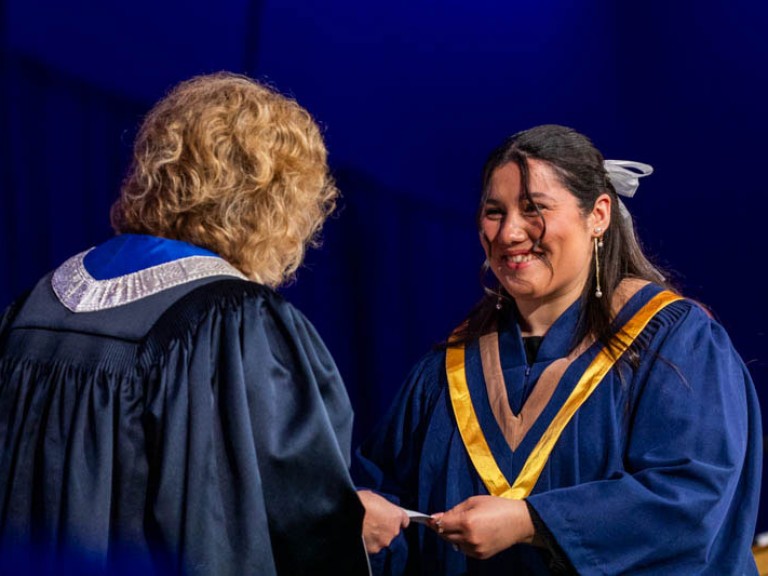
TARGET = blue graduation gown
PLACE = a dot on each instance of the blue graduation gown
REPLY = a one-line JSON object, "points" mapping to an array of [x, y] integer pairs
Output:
{"points": [[658, 472], [159, 414]]}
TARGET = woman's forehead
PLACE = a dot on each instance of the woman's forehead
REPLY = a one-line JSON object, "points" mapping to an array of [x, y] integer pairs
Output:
{"points": [[542, 180]]}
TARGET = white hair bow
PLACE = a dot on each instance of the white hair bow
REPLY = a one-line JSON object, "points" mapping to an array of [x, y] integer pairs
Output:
{"points": [[625, 175]]}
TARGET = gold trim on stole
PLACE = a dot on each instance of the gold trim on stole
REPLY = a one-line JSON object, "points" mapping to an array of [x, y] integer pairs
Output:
{"points": [[472, 434]]}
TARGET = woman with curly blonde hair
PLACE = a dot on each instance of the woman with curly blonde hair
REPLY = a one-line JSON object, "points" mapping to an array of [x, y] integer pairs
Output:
{"points": [[179, 414], [232, 166]]}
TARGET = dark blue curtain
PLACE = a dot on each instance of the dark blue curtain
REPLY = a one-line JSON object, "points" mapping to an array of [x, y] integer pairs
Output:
{"points": [[412, 97], [382, 288], [65, 146]]}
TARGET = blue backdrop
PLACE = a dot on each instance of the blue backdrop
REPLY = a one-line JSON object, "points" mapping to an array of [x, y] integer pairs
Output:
{"points": [[412, 96]]}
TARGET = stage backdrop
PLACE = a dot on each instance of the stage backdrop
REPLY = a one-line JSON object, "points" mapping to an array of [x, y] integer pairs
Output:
{"points": [[412, 96]]}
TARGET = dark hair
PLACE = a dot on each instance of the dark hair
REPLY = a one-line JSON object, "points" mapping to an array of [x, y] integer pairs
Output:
{"points": [[579, 167]]}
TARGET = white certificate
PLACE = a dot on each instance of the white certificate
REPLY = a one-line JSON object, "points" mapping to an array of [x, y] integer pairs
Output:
{"points": [[418, 516]]}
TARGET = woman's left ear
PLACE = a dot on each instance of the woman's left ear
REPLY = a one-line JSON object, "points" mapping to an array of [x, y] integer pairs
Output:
{"points": [[600, 217]]}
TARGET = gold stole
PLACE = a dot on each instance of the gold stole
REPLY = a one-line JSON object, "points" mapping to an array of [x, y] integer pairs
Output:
{"points": [[472, 434]]}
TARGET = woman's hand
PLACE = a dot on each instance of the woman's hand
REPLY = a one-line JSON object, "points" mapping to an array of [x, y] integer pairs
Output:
{"points": [[383, 521], [482, 526]]}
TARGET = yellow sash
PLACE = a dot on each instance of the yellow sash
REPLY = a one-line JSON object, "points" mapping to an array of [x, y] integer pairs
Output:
{"points": [[472, 434]]}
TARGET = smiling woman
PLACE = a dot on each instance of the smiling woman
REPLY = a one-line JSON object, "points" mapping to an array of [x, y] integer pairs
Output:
{"points": [[543, 269], [585, 418]]}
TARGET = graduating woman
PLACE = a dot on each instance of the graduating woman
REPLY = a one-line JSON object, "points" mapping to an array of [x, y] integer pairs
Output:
{"points": [[585, 418], [162, 409]]}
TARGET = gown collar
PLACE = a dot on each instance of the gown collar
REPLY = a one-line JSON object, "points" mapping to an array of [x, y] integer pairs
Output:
{"points": [[130, 267], [128, 253], [554, 344], [558, 340]]}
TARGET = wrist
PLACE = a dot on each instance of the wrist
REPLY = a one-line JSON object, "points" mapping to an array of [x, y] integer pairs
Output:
{"points": [[525, 524]]}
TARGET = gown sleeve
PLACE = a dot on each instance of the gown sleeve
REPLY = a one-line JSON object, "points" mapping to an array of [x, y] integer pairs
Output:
{"points": [[388, 461], [251, 426], [686, 499]]}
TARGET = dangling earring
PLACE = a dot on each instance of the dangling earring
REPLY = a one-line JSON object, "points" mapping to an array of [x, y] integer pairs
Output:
{"points": [[598, 243], [498, 302]]}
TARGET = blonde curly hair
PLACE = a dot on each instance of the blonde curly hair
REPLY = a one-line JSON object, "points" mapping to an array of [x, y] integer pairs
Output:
{"points": [[231, 165]]}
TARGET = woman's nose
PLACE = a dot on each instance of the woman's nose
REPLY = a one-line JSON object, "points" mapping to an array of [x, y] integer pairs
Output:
{"points": [[513, 230]]}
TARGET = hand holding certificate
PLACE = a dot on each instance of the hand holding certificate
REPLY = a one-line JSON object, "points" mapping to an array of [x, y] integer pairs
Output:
{"points": [[383, 520]]}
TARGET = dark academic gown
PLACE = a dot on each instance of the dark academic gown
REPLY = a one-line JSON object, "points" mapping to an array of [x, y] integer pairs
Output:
{"points": [[658, 472], [159, 414]]}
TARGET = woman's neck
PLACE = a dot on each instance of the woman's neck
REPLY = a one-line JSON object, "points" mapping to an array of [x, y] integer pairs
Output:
{"points": [[537, 316]]}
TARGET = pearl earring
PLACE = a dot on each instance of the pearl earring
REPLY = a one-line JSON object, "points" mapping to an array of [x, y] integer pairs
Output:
{"points": [[599, 232], [598, 245]]}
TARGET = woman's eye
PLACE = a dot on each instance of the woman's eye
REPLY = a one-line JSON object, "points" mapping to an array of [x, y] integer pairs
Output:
{"points": [[493, 213], [531, 208]]}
